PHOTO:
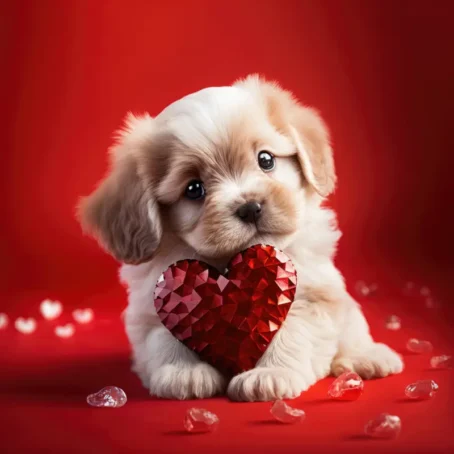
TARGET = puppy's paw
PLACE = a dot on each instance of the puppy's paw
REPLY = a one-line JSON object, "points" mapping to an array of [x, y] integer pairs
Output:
{"points": [[266, 383], [186, 381], [378, 361]]}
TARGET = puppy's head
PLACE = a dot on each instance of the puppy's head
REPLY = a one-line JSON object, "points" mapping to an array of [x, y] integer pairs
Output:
{"points": [[222, 169]]}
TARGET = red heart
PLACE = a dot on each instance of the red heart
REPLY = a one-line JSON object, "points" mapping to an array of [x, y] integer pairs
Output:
{"points": [[228, 320]]}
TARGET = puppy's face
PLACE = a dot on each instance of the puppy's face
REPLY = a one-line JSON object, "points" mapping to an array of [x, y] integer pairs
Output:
{"points": [[223, 168], [234, 188]]}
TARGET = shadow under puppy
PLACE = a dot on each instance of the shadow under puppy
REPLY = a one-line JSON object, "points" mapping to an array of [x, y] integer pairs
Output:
{"points": [[214, 173]]}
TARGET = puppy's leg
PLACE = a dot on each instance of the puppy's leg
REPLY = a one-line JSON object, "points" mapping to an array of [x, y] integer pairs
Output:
{"points": [[359, 353], [299, 355], [167, 367]]}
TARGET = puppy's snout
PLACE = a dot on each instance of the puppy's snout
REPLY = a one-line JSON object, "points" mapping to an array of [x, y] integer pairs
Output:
{"points": [[250, 211]]}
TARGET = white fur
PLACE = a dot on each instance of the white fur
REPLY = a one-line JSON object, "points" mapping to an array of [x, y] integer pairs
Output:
{"points": [[314, 340], [317, 338]]}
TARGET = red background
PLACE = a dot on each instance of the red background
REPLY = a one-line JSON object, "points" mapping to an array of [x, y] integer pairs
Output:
{"points": [[380, 72]]}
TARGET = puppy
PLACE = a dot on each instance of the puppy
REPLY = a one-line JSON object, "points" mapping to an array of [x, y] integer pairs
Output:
{"points": [[214, 173]]}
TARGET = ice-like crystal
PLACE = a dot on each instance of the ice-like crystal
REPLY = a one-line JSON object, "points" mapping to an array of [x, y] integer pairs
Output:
{"points": [[384, 426], [83, 316], [348, 386], [421, 389], [200, 420], [25, 325], [65, 331], [4, 320], [419, 346], [51, 310], [442, 362], [393, 323], [287, 414], [109, 397]]}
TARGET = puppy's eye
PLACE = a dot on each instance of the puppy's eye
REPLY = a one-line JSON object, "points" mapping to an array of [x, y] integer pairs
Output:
{"points": [[195, 190], [266, 161]]}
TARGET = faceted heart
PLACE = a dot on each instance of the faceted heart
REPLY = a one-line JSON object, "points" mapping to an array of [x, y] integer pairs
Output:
{"points": [[384, 426], [200, 420], [421, 390], [109, 397], [228, 320], [50, 309], [419, 346], [287, 414], [348, 386]]}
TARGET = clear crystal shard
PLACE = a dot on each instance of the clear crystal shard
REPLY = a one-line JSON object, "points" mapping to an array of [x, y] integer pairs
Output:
{"points": [[199, 420], [421, 389], [348, 386], [287, 414], [419, 346], [393, 323], [441, 362], [109, 397], [384, 426]]}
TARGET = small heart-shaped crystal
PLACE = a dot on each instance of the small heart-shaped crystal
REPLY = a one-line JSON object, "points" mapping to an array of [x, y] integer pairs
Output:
{"points": [[348, 386], [384, 426], [83, 315], [4, 320], [108, 397], [25, 325], [51, 310], [64, 330], [200, 420], [419, 346], [287, 414], [421, 390]]}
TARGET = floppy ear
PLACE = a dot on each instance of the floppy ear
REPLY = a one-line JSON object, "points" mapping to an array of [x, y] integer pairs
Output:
{"points": [[122, 213], [314, 150], [306, 128]]}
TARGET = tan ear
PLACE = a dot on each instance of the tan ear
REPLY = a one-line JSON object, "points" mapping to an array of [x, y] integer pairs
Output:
{"points": [[122, 213], [303, 125], [314, 150]]}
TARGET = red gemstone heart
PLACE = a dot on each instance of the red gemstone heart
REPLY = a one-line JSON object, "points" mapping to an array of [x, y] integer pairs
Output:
{"points": [[229, 320]]}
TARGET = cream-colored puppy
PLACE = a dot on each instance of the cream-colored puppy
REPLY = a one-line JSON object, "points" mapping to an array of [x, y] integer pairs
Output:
{"points": [[215, 172]]}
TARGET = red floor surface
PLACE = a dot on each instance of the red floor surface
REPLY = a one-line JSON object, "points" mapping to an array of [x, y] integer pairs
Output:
{"points": [[381, 74], [44, 382]]}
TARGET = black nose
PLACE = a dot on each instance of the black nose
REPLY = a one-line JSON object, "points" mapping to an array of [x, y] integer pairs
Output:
{"points": [[250, 211]]}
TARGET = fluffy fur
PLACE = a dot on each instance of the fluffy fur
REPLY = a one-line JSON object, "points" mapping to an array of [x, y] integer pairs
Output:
{"points": [[140, 215]]}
